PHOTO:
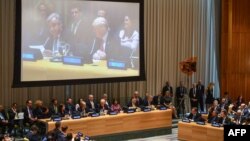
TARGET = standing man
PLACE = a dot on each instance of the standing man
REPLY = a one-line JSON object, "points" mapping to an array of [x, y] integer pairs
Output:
{"points": [[193, 96], [200, 93], [167, 87], [180, 93], [79, 33]]}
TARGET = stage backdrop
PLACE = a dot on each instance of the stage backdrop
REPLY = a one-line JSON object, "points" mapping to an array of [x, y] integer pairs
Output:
{"points": [[174, 31]]}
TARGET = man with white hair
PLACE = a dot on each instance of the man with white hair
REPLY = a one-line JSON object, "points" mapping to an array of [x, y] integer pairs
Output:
{"points": [[91, 104], [104, 44], [54, 42]]}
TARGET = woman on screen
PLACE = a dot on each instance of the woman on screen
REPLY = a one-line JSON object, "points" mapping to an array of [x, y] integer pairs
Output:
{"points": [[129, 39]]}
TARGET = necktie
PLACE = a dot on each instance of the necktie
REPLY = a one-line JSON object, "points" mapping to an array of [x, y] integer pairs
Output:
{"points": [[55, 108], [101, 45]]}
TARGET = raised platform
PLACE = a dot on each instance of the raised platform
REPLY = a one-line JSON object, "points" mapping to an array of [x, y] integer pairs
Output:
{"points": [[120, 127]]}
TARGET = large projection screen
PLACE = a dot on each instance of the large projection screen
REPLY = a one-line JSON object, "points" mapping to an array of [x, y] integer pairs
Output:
{"points": [[64, 42]]}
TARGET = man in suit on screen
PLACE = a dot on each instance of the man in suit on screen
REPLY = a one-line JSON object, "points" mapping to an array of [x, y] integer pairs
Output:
{"points": [[104, 45]]}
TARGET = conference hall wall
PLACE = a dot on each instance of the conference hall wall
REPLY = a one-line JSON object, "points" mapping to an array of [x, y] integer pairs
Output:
{"points": [[235, 49], [174, 31]]}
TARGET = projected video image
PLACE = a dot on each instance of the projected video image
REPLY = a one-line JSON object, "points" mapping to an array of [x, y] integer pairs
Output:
{"points": [[75, 39]]}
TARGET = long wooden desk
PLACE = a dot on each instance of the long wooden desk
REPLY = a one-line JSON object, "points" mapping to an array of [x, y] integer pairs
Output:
{"points": [[46, 70], [194, 132], [113, 124]]}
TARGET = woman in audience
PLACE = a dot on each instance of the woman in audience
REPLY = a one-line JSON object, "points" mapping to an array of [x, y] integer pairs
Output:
{"points": [[209, 97], [168, 103], [78, 103], [116, 107], [62, 110]]}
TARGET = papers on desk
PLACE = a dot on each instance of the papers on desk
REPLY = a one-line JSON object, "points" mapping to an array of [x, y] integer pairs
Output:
{"points": [[40, 47], [19, 116]]}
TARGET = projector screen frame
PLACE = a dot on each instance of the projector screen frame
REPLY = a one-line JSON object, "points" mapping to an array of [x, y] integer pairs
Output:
{"points": [[18, 50]]}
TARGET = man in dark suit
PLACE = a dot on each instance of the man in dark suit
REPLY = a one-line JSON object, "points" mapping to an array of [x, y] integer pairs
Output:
{"points": [[193, 96], [56, 134], [13, 113], [180, 93], [200, 93], [149, 101], [167, 87], [139, 100], [108, 103], [223, 104], [158, 100], [69, 106], [54, 108], [213, 117], [28, 113], [3, 119], [224, 119], [194, 115], [80, 33], [91, 104], [103, 106], [104, 45], [55, 45]]}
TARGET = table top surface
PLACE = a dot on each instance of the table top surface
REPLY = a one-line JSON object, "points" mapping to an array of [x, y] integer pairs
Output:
{"points": [[46, 70], [108, 116], [194, 124]]}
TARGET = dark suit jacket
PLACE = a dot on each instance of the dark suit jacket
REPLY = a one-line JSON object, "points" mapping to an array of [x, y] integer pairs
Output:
{"points": [[155, 100], [167, 88], [81, 110], [192, 96], [39, 113], [88, 104], [103, 108], [180, 91], [11, 114], [146, 103], [26, 115], [130, 104], [81, 40], [200, 90], [213, 119], [52, 110], [69, 108], [112, 47], [227, 121], [196, 118]]}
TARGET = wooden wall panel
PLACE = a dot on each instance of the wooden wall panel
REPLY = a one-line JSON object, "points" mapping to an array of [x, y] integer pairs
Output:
{"points": [[235, 53]]}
